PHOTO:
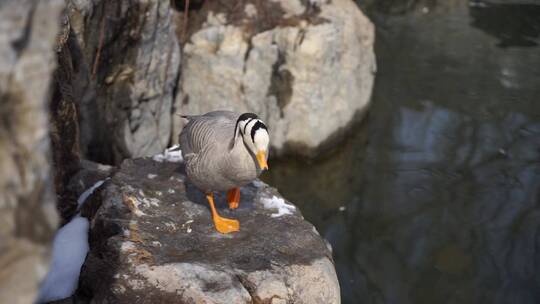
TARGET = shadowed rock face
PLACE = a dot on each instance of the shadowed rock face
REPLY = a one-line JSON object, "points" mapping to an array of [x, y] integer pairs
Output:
{"points": [[514, 24], [119, 62], [152, 239]]}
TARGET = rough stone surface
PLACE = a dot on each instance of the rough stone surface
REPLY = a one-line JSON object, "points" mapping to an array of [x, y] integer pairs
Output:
{"points": [[152, 240], [306, 68], [27, 204], [123, 64]]}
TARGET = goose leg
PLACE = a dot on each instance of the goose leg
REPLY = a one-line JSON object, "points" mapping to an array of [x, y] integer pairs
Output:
{"points": [[223, 225], [233, 197]]}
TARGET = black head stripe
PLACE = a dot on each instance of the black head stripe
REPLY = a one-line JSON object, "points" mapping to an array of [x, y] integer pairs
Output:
{"points": [[245, 116], [258, 125]]}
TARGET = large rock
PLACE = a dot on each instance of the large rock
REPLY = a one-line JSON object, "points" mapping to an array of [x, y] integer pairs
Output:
{"points": [[27, 203], [122, 62], [152, 240], [307, 67]]}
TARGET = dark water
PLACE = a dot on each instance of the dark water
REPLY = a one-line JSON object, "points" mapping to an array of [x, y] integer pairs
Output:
{"points": [[435, 198]]}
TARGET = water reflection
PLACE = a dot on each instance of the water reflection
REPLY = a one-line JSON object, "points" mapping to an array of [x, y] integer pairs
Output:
{"points": [[514, 24], [442, 205]]}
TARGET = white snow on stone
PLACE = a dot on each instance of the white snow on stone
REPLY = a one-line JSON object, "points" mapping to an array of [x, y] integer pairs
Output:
{"points": [[279, 204], [172, 154], [257, 183], [152, 176], [89, 192], [70, 247], [69, 250]]}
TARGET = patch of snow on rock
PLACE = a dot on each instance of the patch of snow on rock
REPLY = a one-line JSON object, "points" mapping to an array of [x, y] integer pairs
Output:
{"points": [[89, 192], [69, 250], [257, 183], [70, 247], [172, 154], [279, 204]]}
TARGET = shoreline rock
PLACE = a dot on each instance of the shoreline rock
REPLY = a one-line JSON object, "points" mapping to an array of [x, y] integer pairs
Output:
{"points": [[152, 240]]}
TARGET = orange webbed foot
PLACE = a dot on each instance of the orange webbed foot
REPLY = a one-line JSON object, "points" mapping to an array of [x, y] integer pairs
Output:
{"points": [[222, 224], [225, 225]]}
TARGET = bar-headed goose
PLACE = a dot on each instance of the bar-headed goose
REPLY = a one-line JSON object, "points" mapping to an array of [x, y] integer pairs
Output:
{"points": [[223, 151]]}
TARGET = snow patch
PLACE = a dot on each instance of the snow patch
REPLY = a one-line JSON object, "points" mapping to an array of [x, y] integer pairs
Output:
{"points": [[151, 176], [89, 192], [172, 154], [279, 204], [257, 183], [69, 250], [70, 247]]}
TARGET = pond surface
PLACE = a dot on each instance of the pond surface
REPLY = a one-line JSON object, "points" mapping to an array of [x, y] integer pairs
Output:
{"points": [[435, 197]]}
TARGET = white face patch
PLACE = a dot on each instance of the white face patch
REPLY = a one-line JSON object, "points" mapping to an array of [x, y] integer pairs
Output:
{"points": [[254, 134], [261, 140]]}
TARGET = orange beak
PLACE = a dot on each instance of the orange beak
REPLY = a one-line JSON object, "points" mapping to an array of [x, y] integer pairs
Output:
{"points": [[261, 158]]}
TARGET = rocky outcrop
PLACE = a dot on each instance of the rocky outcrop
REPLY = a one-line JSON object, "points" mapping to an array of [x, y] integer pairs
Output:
{"points": [[27, 203], [152, 240], [306, 67], [120, 63]]}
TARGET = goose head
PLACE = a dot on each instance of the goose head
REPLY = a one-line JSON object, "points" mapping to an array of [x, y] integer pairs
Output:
{"points": [[254, 134]]}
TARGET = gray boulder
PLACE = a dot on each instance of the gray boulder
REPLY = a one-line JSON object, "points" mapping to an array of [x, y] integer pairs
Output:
{"points": [[152, 240], [307, 67], [27, 201]]}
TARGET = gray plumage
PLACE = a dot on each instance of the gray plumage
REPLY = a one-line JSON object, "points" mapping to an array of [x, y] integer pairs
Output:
{"points": [[211, 163]]}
